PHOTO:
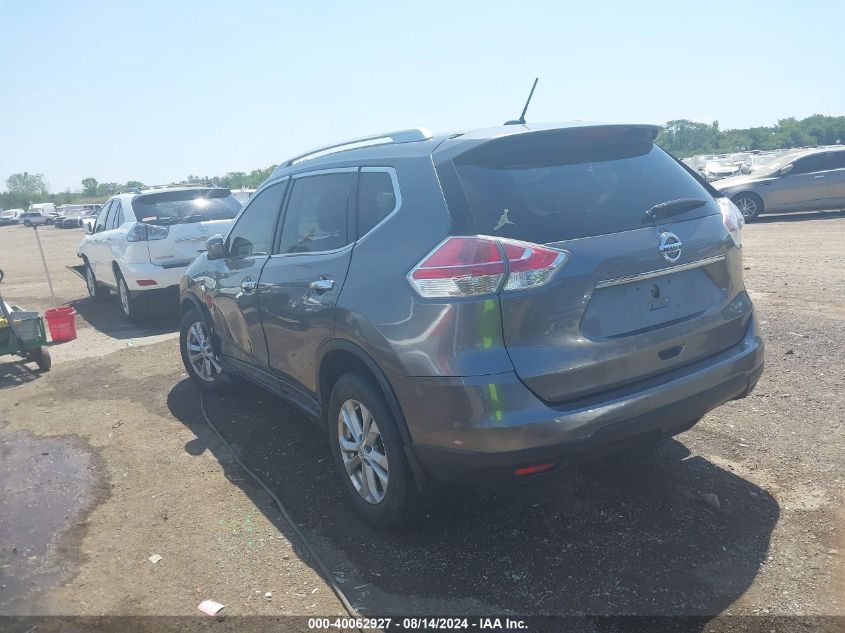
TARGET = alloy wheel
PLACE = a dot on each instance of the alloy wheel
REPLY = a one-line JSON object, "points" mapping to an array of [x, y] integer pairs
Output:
{"points": [[362, 450], [201, 353], [123, 291], [90, 281], [747, 206]]}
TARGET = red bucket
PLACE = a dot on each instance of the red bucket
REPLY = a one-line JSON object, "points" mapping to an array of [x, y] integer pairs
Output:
{"points": [[62, 324]]}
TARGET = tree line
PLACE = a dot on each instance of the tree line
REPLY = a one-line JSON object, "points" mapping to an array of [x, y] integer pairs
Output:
{"points": [[684, 138], [680, 137], [23, 188]]}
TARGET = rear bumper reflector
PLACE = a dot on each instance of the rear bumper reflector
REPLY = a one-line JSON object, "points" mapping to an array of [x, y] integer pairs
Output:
{"points": [[147, 282], [530, 470]]}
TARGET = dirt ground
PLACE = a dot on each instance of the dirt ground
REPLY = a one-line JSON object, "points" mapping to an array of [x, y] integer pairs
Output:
{"points": [[107, 460]]}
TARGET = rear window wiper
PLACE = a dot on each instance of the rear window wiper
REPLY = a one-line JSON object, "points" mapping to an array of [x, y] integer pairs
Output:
{"points": [[671, 207]]}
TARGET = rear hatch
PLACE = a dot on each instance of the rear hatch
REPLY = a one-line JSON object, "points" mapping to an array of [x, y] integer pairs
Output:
{"points": [[639, 294], [178, 222]]}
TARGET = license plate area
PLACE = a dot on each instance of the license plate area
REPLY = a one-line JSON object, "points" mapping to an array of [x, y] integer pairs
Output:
{"points": [[635, 307]]}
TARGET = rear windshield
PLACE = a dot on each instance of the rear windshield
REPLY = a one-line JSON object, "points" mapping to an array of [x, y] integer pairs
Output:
{"points": [[176, 207], [553, 186]]}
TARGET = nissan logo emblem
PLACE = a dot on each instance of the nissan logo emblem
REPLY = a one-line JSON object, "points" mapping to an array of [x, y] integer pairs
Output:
{"points": [[670, 247]]}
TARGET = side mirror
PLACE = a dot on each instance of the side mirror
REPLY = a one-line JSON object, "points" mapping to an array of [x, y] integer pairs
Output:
{"points": [[215, 247], [786, 169]]}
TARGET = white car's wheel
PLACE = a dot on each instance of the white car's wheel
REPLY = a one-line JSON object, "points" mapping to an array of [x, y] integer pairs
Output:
{"points": [[95, 290], [128, 303]]}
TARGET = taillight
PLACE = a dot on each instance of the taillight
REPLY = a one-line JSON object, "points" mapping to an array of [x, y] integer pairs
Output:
{"points": [[479, 265], [142, 232], [732, 218]]}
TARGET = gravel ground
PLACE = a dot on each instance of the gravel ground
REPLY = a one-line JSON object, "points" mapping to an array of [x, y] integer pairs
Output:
{"points": [[743, 514]]}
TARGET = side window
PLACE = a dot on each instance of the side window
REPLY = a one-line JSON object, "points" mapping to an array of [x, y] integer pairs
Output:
{"points": [[376, 199], [835, 160], [808, 164], [317, 216], [253, 234], [116, 217], [100, 224]]}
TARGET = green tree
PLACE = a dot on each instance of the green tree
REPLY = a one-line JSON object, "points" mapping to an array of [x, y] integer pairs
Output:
{"points": [[26, 184], [89, 186]]}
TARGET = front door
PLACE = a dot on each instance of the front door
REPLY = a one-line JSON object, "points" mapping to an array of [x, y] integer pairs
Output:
{"points": [[233, 298], [301, 282]]}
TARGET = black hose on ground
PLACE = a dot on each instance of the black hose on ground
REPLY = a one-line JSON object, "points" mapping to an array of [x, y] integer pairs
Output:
{"points": [[324, 570]]}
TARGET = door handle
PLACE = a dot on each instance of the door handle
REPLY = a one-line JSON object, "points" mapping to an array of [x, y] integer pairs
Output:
{"points": [[321, 285], [820, 176], [248, 285]]}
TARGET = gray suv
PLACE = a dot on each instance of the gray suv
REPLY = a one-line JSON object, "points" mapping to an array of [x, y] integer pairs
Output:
{"points": [[494, 304]]}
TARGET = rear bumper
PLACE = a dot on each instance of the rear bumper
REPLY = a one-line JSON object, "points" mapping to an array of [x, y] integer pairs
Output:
{"points": [[165, 278], [474, 427]]}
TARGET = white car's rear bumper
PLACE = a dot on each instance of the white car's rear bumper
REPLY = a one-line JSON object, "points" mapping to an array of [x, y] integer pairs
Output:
{"points": [[139, 276]]}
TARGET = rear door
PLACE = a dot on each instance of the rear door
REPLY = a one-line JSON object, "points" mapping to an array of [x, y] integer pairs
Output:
{"points": [[835, 175], [235, 305], [96, 250], [112, 242], [300, 284], [187, 217], [637, 296]]}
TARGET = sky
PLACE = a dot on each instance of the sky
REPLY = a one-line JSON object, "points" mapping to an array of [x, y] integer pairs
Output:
{"points": [[157, 90]]}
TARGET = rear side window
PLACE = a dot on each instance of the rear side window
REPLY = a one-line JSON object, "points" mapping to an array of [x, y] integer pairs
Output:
{"points": [[116, 215], [175, 207], [317, 215], [376, 199], [254, 231], [100, 224], [808, 164], [835, 160], [561, 185]]}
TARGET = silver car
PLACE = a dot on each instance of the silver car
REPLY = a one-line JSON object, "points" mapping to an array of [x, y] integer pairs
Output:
{"points": [[797, 181]]}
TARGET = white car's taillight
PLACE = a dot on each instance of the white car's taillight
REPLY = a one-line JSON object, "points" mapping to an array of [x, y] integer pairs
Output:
{"points": [[142, 232], [732, 218], [478, 265]]}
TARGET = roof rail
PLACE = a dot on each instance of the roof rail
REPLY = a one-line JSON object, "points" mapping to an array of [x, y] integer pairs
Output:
{"points": [[400, 136]]}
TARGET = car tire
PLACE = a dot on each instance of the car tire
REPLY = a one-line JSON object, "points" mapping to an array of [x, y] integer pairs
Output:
{"points": [[129, 304], [379, 482], [28, 224], [749, 204], [95, 290], [197, 337]]}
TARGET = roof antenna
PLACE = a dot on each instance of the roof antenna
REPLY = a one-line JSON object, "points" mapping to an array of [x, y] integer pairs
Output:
{"points": [[521, 119]]}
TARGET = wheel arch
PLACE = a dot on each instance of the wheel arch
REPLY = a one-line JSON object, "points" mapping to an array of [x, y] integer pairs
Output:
{"points": [[340, 356], [752, 194]]}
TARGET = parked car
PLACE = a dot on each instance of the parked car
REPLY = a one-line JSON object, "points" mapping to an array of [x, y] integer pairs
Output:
{"points": [[89, 218], [498, 303], [48, 209], [720, 168], [8, 217], [141, 242], [797, 181], [242, 195], [70, 215], [35, 218]]}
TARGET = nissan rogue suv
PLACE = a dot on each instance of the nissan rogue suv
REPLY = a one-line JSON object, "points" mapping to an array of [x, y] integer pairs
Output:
{"points": [[494, 304]]}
